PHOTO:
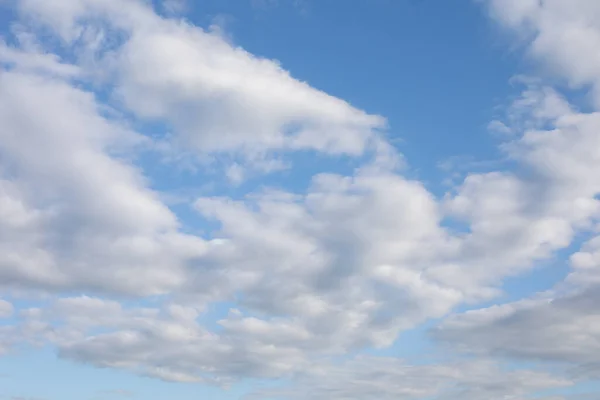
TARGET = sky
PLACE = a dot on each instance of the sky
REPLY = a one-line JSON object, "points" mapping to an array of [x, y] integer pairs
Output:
{"points": [[299, 199]]}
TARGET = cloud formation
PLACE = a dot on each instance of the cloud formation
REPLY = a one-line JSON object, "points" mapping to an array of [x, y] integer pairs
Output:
{"points": [[306, 277], [560, 325], [387, 378]]}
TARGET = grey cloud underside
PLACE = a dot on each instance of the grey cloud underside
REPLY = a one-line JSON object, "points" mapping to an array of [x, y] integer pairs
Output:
{"points": [[347, 265], [561, 326], [386, 378], [559, 329], [169, 344]]}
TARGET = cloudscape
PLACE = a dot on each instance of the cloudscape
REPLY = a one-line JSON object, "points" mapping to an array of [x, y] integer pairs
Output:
{"points": [[300, 199]]}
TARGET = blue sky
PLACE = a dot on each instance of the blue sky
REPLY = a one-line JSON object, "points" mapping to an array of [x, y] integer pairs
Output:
{"points": [[290, 200], [340, 50]]}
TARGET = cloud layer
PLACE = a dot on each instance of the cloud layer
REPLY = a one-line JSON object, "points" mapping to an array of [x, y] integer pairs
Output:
{"points": [[308, 279]]}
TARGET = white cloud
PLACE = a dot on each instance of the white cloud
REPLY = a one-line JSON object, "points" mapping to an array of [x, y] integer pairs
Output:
{"points": [[222, 98], [560, 153], [165, 343], [586, 264], [216, 96], [36, 61], [80, 215], [75, 216], [563, 36], [344, 261], [351, 263], [6, 309], [169, 344], [347, 265], [518, 218]]}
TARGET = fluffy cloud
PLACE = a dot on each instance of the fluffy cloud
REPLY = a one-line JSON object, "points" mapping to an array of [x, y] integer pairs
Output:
{"points": [[343, 261], [351, 243], [223, 99], [560, 329], [79, 215], [75, 214], [562, 36], [215, 96], [169, 344], [29, 58], [166, 343], [561, 156], [586, 264], [347, 265], [561, 326], [518, 218]]}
